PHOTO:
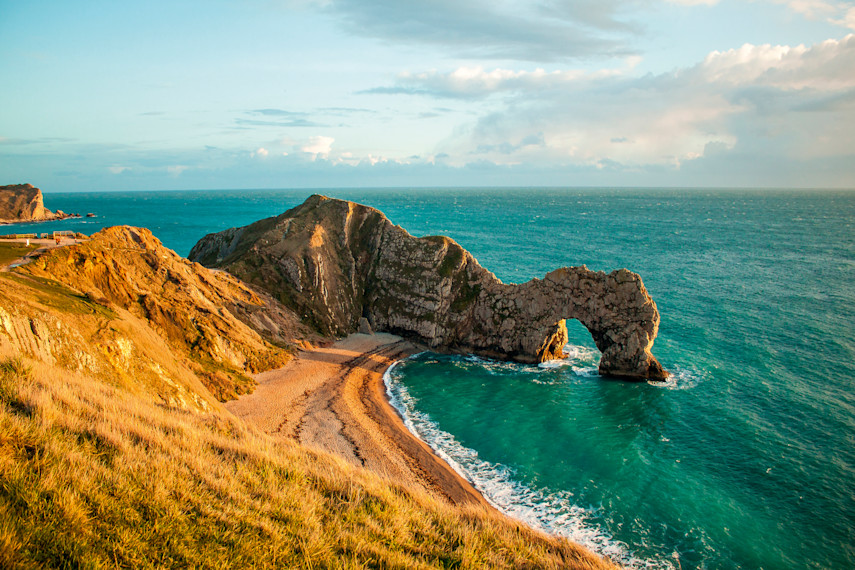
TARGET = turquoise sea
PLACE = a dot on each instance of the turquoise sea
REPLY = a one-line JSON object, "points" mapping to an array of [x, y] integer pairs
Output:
{"points": [[744, 459]]}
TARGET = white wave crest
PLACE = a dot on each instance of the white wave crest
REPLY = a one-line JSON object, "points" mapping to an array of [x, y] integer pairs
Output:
{"points": [[681, 378]]}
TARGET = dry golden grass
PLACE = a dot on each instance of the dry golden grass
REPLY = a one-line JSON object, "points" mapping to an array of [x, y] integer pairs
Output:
{"points": [[94, 476]]}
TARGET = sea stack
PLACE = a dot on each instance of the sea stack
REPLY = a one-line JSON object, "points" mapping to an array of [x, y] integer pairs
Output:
{"points": [[335, 262]]}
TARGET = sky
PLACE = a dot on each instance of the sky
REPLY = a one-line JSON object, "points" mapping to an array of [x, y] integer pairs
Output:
{"points": [[181, 94]]}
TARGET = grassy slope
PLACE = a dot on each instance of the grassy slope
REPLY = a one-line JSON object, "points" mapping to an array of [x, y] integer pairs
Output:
{"points": [[113, 456], [94, 476], [10, 251]]}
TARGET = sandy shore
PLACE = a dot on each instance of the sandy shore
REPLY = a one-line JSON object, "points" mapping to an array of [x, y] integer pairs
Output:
{"points": [[333, 399]]}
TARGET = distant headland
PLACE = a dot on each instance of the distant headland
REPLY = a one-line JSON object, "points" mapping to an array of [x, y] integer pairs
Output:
{"points": [[25, 203]]}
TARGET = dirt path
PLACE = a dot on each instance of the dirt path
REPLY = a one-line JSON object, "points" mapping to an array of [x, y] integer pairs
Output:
{"points": [[333, 399]]}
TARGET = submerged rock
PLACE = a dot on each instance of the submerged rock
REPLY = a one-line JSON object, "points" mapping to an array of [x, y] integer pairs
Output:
{"points": [[336, 262]]}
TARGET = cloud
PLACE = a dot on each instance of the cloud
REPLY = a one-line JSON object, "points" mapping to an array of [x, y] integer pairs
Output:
{"points": [[826, 66], [277, 118], [474, 82], [38, 141], [477, 83], [787, 103], [549, 30], [318, 146], [118, 169], [834, 12], [261, 152]]}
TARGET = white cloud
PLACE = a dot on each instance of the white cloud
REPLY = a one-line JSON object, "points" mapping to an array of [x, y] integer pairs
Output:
{"points": [[118, 169], [476, 82], [785, 103], [826, 66], [262, 152], [318, 146], [848, 19], [177, 169]]}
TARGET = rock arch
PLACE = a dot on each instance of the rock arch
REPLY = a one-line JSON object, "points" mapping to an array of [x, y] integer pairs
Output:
{"points": [[433, 290], [615, 308]]}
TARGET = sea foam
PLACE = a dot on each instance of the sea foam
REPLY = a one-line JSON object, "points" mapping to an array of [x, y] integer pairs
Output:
{"points": [[555, 512]]}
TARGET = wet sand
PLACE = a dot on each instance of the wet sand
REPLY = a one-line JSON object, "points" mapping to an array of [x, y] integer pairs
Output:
{"points": [[333, 399]]}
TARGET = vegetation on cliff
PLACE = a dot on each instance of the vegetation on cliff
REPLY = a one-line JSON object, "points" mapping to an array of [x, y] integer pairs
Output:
{"points": [[115, 453]]}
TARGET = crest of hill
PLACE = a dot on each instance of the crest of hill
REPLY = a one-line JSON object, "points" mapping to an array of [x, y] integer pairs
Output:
{"points": [[336, 262], [222, 327]]}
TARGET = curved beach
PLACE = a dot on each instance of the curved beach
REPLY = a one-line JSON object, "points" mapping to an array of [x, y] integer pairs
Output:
{"points": [[333, 399]]}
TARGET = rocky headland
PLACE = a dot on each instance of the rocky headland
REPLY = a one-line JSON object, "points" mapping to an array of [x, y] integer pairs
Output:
{"points": [[344, 267], [25, 203]]}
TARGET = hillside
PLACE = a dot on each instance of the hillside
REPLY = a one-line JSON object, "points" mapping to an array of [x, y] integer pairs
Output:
{"points": [[116, 452]]}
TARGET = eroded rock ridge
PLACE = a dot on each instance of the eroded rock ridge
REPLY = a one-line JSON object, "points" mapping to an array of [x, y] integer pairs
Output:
{"points": [[335, 262]]}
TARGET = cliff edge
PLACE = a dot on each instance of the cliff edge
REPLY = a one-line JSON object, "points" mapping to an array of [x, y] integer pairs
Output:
{"points": [[25, 203], [336, 262]]}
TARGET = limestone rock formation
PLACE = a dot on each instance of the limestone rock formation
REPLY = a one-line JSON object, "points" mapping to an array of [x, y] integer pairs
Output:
{"points": [[335, 262], [25, 203]]}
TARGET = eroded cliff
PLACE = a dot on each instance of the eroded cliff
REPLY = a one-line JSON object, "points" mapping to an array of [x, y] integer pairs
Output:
{"points": [[335, 262], [24, 203]]}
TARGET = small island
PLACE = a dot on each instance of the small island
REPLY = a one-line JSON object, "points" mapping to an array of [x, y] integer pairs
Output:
{"points": [[25, 203]]}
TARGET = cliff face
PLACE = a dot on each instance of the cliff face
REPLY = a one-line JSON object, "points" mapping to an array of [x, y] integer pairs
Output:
{"points": [[217, 325], [24, 203], [335, 262]]}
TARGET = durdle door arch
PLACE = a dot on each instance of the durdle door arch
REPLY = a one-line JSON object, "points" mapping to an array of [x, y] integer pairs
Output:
{"points": [[336, 262]]}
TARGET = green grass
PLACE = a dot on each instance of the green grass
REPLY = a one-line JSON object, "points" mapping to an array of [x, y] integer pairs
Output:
{"points": [[9, 252]]}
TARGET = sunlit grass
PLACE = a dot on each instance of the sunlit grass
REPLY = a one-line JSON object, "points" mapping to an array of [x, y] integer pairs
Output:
{"points": [[94, 476]]}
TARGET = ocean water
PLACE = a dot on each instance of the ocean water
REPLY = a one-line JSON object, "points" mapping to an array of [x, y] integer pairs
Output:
{"points": [[745, 458]]}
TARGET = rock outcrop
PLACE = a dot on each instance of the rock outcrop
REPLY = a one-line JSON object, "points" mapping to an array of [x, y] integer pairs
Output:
{"points": [[222, 326], [335, 262], [25, 203]]}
